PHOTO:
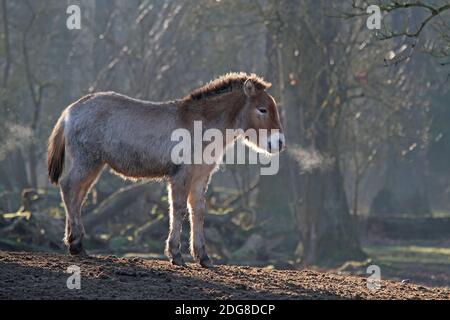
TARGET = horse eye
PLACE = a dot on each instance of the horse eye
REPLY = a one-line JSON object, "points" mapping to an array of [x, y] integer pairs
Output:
{"points": [[262, 110]]}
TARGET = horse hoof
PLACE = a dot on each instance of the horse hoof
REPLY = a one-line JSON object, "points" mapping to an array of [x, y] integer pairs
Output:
{"points": [[178, 261], [206, 263], [76, 249]]}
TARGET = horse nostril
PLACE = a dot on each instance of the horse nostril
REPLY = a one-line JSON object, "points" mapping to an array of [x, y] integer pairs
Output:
{"points": [[269, 145]]}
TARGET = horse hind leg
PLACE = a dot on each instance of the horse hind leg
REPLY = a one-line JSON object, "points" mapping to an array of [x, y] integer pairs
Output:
{"points": [[74, 188]]}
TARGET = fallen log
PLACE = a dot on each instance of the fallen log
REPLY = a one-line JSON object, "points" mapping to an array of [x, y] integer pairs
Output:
{"points": [[117, 202]]}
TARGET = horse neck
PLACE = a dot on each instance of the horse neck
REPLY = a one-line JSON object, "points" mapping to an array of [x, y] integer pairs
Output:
{"points": [[220, 112]]}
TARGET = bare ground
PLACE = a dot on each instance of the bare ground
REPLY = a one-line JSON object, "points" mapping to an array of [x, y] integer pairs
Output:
{"points": [[29, 275]]}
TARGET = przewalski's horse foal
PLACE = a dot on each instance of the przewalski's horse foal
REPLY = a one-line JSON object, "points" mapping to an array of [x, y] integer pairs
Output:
{"points": [[133, 137]]}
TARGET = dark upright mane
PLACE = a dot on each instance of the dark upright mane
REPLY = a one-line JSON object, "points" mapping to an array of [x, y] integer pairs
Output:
{"points": [[226, 83]]}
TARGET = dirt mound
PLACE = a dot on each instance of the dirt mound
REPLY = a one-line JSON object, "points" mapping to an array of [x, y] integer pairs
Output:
{"points": [[26, 275]]}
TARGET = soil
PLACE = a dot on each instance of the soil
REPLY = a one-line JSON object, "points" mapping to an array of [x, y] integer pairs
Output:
{"points": [[31, 275]]}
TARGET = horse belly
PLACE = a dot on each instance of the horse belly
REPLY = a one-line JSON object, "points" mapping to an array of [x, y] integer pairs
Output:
{"points": [[135, 164]]}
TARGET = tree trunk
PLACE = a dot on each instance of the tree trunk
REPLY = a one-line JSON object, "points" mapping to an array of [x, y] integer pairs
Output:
{"points": [[32, 164], [274, 203], [6, 44], [329, 233], [316, 198]]}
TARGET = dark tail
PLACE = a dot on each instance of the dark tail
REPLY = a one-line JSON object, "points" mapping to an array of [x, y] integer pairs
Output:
{"points": [[55, 153]]}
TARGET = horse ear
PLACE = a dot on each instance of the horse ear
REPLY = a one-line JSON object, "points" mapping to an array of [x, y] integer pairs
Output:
{"points": [[249, 88]]}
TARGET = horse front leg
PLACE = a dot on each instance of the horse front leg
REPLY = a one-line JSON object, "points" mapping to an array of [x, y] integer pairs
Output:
{"points": [[197, 210], [178, 209]]}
